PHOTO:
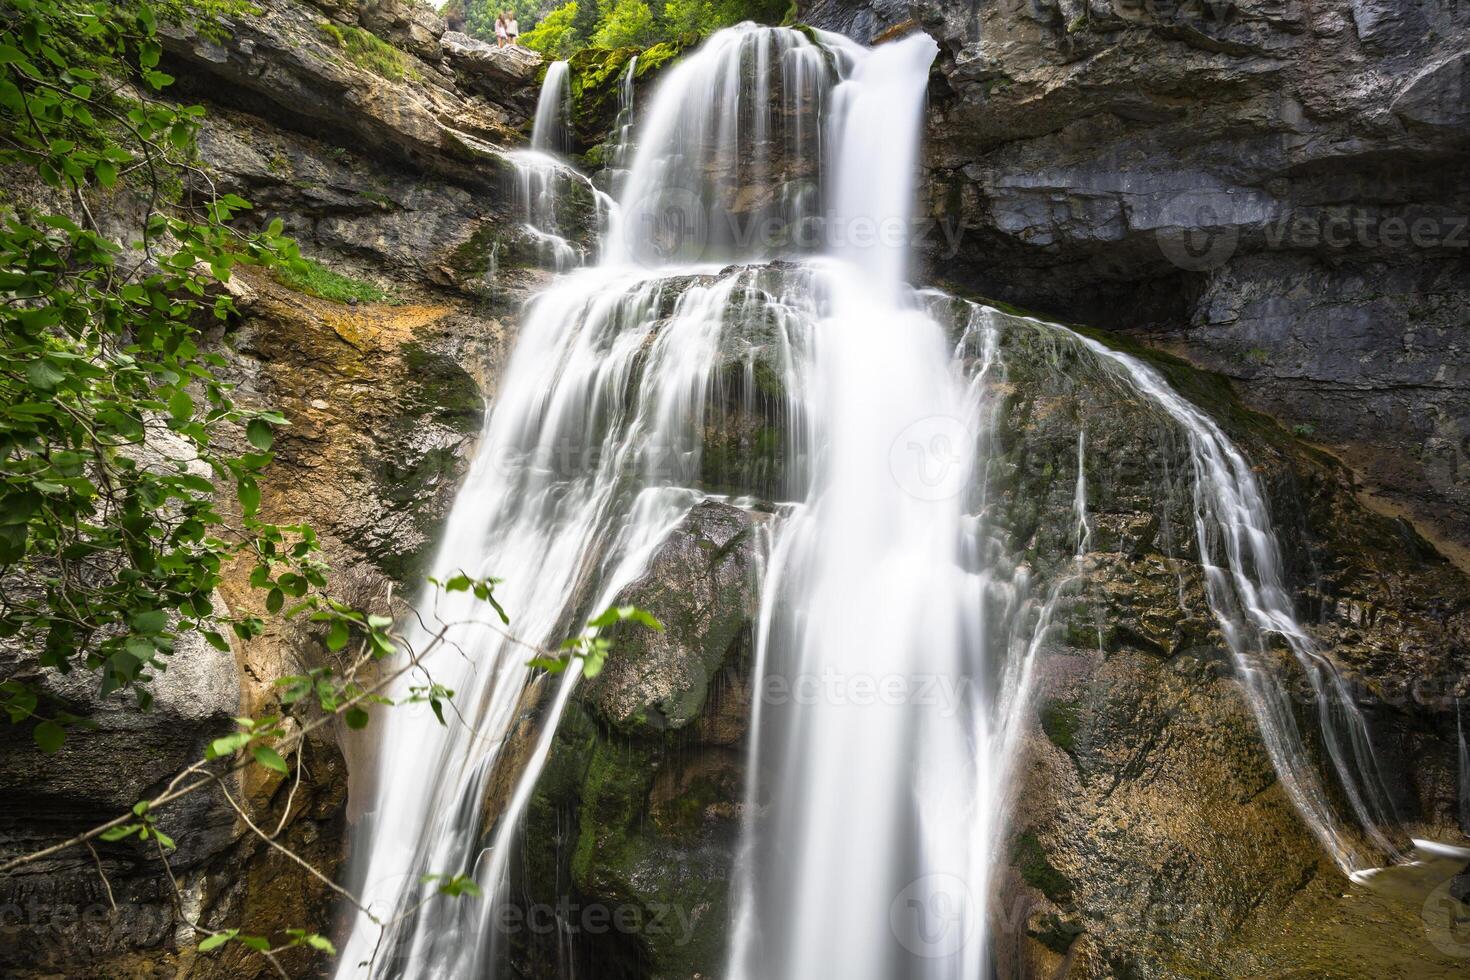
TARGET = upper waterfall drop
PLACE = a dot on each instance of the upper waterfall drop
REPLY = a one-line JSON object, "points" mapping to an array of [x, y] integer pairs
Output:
{"points": [[729, 156], [552, 132]]}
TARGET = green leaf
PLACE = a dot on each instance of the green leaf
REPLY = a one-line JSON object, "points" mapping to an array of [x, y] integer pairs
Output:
{"points": [[322, 943], [270, 758], [218, 940], [120, 833], [258, 431], [149, 621], [227, 745], [49, 736], [180, 405], [42, 374], [337, 636], [249, 496], [356, 717]]}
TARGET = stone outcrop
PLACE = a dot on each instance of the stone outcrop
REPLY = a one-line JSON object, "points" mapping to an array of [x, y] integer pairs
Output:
{"points": [[636, 816], [1269, 188]]}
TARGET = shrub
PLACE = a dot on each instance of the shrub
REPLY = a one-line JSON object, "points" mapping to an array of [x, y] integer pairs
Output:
{"points": [[627, 24], [556, 36]]}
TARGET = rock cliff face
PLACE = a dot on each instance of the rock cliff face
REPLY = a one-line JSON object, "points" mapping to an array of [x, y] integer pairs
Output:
{"points": [[377, 146], [1270, 188]]}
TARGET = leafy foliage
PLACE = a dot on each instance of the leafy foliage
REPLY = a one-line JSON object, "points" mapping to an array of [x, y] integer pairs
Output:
{"points": [[557, 35], [641, 23], [592, 646], [626, 24], [115, 430]]}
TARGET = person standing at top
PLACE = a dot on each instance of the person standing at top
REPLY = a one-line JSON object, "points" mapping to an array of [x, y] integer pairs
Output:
{"points": [[513, 28], [501, 34]]}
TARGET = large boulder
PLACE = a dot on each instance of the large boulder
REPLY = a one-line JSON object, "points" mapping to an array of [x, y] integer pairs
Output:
{"points": [[635, 818]]}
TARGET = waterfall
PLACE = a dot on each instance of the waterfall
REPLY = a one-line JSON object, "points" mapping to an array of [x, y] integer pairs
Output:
{"points": [[619, 158], [701, 187], [1246, 589], [892, 591], [540, 173], [552, 133]]}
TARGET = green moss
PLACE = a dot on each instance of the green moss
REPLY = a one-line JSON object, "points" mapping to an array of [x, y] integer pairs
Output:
{"points": [[1055, 933], [658, 57], [595, 78], [317, 280], [442, 386], [595, 158], [366, 50], [378, 198], [1060, 722], [1029, 858]]}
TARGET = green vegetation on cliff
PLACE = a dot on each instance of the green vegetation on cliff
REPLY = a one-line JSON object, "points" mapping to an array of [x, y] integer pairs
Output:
{"points": [[311, 277], [367, 50], [644, 23]]}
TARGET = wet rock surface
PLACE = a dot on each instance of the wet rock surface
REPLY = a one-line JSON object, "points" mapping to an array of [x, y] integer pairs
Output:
{"points": [[1151, 836], [633, 826]]}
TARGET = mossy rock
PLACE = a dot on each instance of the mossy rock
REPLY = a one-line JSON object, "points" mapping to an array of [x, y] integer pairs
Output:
{"points": [[595, 77], [1028, 856]]}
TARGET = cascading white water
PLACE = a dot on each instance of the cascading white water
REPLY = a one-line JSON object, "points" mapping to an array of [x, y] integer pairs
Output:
{"points": [[574, 485], [701, 187], [1246, 588], [1464, 766], [880, 800], [552, 132], [620, 156]]}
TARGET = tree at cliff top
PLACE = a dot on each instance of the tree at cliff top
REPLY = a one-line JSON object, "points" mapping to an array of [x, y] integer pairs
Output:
{"points": [[641, 23], [478, 16]]}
